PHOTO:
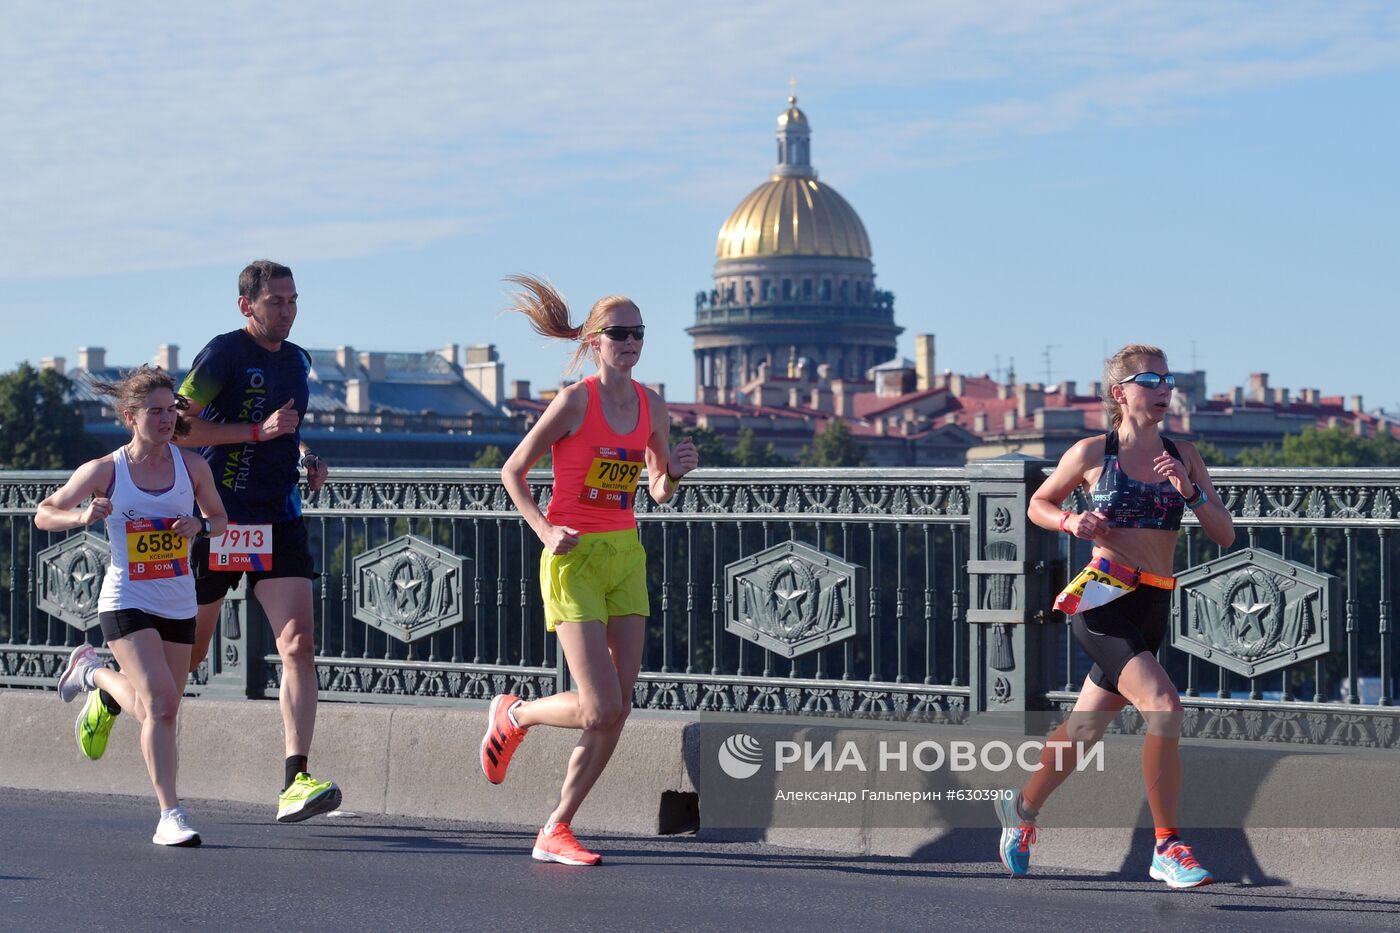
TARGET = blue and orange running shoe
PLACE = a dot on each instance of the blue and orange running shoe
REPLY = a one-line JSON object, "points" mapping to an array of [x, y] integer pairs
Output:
{"points": [[1178, 867], [1017, 837]]}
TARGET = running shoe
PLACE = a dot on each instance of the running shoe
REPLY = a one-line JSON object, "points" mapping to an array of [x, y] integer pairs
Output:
{"points": [[1017, 837], [93, 727], [557, 844], [305, 798], [502, 738], [174, 829], [73, 679], [1178, 867]]}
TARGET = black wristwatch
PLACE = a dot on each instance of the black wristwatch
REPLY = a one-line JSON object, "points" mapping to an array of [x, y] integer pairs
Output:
{"points": [[206, 528], [308, 460]]}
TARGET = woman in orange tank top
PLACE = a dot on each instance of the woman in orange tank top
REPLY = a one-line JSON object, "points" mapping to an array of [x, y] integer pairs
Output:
{"points": [[600, 432]]}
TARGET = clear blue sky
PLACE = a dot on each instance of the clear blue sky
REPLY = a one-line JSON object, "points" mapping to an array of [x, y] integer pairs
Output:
{"points": [[1052, 173]]}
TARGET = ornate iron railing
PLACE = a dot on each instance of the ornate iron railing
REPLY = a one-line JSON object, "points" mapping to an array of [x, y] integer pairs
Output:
{"points": [[911, 593]]}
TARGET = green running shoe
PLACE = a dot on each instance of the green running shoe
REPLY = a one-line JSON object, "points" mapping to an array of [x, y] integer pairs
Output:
{"points": [[93, 727], [305, 798]]}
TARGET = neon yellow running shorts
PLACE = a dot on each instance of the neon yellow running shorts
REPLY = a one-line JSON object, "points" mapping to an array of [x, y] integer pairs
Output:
{"points": [[604, 576]]}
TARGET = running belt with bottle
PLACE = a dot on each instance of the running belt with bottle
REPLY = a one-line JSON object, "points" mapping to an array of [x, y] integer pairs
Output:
{"points": [[150, 566], [1126, 503], [596, 469]]}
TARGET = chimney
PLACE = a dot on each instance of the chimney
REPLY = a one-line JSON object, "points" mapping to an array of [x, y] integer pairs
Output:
{"points": [[92, 358], [485, 372], [1029, 397], [955, 384], [56, 363], [520, 388], [374, 366], [1281, 397], [1009, 420], [1004, 390], [659, 388], [1068, 389], [1258, 387], [1355, 405], [979, 423], [821, 399], [482, 353], [923, 361], [345, 358], [840, 402], [794, 399], [357, 396], [1096, 389], [168, 357], [449, 353], [1237, 397]]}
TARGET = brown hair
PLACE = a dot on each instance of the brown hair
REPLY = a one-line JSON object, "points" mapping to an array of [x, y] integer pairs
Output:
{"points": [[549, 313], [1118, 367], [254, 278], [136, 386]]}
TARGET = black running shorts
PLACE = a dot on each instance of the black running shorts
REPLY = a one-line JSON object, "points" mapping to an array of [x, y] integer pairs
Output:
{"points": [[123, 622], [291, 557], [1114, 634]]}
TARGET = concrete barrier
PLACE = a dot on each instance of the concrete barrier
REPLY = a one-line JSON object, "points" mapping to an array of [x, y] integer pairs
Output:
{"points": [[421, 761]]}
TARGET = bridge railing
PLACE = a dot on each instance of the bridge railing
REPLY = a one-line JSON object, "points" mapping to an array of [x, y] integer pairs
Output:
{"points": [[911, 593]]}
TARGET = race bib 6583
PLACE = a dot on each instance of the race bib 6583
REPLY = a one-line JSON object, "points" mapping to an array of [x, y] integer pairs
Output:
{"points": [[154, 551]]}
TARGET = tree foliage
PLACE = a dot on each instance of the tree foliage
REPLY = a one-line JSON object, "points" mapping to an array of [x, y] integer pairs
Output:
{"points": [[1329, 447], [40, 428], [833, 447], [490, 456]]}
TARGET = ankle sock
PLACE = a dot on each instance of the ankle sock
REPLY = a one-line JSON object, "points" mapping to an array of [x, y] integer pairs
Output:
{"points": [[1165, 837], [109, 702], [295, 765]]}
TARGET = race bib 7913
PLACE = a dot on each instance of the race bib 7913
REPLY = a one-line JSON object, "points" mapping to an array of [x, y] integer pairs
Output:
{"points": [[242, 547], [611, 482]]}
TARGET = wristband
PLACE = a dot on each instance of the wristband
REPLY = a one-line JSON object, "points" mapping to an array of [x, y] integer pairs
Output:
{"points": [[674, 480], [1064, 517], [257, 432], [1200, 499]]}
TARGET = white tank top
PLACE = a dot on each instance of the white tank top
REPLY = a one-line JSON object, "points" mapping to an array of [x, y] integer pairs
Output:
{"points": [[147, 570]]}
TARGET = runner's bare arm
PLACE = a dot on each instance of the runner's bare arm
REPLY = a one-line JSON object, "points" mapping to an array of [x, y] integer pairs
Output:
{"points": [[1214, 517], [206, 494], [563, 416], [208, 434], [1069, 473], [666, 464], [59, 511]]}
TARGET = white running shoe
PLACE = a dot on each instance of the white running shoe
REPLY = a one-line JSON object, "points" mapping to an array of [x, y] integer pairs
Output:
{"points": [[73, 680], [175, 830]]}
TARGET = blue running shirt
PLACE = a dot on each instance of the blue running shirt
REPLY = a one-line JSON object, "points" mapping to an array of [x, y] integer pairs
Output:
{"points": [[239, 382]]}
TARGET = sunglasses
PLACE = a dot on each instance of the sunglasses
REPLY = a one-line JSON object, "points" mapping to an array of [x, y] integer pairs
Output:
{"points": [[1151, 381], [619, 333]]}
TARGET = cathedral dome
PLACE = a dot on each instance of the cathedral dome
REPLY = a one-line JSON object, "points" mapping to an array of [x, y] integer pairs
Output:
{"points": [[793, 214]]}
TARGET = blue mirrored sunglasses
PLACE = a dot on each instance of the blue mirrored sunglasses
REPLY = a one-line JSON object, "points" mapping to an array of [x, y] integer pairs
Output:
{"points": [[1151, 381]]}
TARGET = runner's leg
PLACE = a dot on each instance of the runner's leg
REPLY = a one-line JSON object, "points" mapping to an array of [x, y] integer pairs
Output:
{"points": [[145, 661]]}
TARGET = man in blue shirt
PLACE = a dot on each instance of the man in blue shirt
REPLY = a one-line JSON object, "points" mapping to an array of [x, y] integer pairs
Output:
{"points": [[247, 391]]}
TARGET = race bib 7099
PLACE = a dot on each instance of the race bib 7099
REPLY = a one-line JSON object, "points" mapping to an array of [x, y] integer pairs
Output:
{"points": [[611, 482]]}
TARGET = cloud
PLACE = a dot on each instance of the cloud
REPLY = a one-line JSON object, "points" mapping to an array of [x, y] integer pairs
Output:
{"points": [[175, 136]]}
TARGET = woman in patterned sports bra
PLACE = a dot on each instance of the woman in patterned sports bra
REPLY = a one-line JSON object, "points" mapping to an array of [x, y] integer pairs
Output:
{"points": [[146, 492], [600, 432], [1140, 483]]}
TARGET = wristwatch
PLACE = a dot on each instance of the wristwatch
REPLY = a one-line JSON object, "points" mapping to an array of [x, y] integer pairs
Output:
{"points": [[206, 528], [308, 460]]}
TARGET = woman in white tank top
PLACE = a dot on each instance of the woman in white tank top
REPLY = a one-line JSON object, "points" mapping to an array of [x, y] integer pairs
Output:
{"points": [[145, 492]]}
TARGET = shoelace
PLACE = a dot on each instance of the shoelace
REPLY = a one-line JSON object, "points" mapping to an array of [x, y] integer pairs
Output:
{"points": [[1027, 837], [1180, 854]]}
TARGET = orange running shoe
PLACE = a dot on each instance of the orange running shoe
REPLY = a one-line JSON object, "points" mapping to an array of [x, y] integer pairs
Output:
{"points": [[557, 844], [501, 740]]}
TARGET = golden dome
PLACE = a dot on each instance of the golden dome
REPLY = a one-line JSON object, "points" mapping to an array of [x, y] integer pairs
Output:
{"points": [[793, 216]]}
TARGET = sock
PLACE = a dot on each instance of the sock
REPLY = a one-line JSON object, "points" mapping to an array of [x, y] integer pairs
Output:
{"points": [[1165, 837], [1025, 811], [89, 678], [171, 812], [510, 714], [109, 702], [295, 765]]}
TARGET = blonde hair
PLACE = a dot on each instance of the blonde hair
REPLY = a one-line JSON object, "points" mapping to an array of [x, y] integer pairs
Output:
{"points": [[549, 313], [136, 385], [1118, 367]]}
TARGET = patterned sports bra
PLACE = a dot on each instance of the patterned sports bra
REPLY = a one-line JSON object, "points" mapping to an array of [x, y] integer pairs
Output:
{"points": [[1131, 503]]}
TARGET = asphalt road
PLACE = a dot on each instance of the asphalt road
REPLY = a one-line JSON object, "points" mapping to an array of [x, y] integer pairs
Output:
{"points": [[86, 861]]}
